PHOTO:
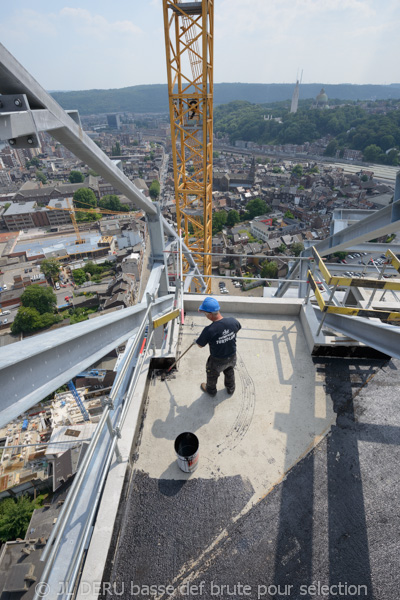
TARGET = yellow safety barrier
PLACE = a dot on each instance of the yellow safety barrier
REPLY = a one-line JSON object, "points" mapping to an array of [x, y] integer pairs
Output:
{"points": [[165, 318], [344, 310], [375, 284]]}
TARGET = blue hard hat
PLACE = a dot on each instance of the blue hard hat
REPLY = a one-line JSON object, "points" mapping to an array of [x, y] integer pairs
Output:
{"points": [[209, 305]]}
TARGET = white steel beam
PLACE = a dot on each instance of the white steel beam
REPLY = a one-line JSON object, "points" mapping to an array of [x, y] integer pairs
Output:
{"points": [[35, 367], [381, 222], [14, 79], [382, 337]]}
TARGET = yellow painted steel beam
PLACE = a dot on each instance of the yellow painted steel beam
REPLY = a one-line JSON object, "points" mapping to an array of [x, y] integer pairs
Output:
{"points": [[315, 288], [386, 315], [395, 262], [321, 265], [375, 284], [166, 318]]}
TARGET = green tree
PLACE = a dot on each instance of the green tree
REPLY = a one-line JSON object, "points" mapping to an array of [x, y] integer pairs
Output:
{"points": [[282, 248], [372, 153], [219, 220], [82, 217], [43, 299], [340, 255], [154, 190], [76, 177], [34, 162], [79, 276], [92, 268], [110, 202], [297, 248], [7, 205], [256, 207], [297, 171], [269, 270], [331, 148], [26, 320], [216, 154], [15, 518], [116, 150], [233, 218], [392, 157], [50, 267], [40, 176], [85, 198], [288, 215]]}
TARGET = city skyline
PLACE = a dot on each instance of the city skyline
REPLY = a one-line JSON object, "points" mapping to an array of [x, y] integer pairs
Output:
{"points": [[107, 45]]}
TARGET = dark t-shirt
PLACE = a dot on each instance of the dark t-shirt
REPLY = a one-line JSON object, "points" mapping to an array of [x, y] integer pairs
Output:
{"points": [[221, 335]]}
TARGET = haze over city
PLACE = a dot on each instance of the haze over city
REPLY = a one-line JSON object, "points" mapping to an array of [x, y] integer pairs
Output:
{"points": [[113, 45]]}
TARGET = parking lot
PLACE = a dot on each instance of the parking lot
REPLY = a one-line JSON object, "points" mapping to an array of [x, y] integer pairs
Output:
{"points": [[354, 264], [231, 289]]}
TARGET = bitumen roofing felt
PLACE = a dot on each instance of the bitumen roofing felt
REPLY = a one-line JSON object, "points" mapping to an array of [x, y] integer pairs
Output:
{"points": [[329, 529]]}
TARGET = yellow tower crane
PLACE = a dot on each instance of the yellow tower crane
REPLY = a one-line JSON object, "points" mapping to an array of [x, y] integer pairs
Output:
{"points": [[189, 36]]}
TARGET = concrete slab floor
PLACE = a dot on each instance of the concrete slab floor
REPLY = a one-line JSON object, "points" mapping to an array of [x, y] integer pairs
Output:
{"points": [[278, 412]]}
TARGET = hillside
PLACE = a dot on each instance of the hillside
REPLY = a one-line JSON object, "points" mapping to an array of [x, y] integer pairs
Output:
{"points": [[153, 98]]}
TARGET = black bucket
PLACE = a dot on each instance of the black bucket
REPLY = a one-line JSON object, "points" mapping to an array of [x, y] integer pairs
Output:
{"points": [[187, 451]]}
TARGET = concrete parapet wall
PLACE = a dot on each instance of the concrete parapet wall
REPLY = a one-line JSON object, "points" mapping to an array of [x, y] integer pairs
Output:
{"points": [[267, 306]]}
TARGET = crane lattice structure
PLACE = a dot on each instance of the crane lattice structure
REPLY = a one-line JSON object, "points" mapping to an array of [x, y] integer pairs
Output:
{"points": [[189, 28], [73, 209]]}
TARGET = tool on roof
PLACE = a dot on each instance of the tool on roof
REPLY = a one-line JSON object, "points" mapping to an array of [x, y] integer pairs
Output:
{"points": [[178, 359]]}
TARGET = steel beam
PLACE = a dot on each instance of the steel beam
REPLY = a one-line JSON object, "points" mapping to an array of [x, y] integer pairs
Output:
{"points": [[382, 337], [35, 367], [381, 222], [286, 283], [14, 79], [43, 113]]}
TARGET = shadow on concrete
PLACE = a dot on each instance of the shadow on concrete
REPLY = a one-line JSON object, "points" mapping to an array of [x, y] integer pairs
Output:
{"points": [[198, 413]]}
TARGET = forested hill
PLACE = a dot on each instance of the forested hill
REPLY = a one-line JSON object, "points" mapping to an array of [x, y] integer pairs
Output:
{"points": [[153, 98], [377, 136]]}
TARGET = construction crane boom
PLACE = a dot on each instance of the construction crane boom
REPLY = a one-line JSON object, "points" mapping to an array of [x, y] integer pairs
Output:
{"points": [[72, 210], [189, 28]]}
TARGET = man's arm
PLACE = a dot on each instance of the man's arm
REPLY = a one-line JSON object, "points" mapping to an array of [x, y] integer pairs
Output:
{"points": [[202, 340]]}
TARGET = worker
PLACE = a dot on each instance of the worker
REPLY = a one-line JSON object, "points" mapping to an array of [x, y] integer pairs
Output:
{"points": [[221, 337]]}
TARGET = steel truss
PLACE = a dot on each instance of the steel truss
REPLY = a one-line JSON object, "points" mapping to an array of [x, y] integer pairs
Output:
{"points": [[189, 28]]}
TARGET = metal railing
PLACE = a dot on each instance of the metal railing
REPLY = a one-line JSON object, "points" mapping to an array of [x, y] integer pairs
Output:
{"points": [[105, 438]]}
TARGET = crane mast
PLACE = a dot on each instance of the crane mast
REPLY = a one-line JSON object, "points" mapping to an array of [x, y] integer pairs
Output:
{"points": [[189, 28]]}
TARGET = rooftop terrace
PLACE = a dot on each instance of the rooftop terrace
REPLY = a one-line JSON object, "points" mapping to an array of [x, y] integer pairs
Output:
{"points": [[292, 486]]}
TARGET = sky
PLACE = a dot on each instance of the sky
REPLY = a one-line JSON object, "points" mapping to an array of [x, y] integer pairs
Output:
{"points": [[98, 44]]}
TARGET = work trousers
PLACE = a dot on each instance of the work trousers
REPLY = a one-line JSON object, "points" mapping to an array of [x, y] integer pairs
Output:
{"points": [[216, 366]]}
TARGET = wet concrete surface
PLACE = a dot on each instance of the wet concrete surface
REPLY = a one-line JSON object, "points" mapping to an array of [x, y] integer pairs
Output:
{"points": [[329, 529]]}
